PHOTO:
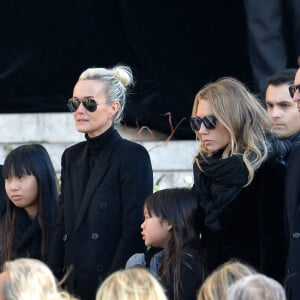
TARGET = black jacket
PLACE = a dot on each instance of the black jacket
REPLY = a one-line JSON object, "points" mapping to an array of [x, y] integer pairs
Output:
{"points": [[292, 198], [2, 193], [252, 228], [99, 223]]}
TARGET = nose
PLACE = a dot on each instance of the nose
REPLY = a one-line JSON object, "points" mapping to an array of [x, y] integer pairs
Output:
{"points": [[203, 129], [142, 225], [80, 108], [275, 113]]}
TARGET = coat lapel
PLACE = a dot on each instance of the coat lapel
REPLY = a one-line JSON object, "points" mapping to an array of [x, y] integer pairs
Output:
{"points": [[96, 176], [79, 173]]}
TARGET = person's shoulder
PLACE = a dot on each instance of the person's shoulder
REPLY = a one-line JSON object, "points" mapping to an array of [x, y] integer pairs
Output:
{"points": [[131, 146], [272, 163], [75, 148], [295, 155]]}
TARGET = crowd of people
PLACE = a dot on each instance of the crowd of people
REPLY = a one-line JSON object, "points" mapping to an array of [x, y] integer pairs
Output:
{"points": [[103, 234]]}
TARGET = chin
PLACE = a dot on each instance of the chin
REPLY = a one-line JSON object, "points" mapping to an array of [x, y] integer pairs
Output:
{"points": [[81, 130]]}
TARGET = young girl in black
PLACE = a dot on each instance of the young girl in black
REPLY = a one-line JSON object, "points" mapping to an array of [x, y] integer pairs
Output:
{"points": [[31, 204]]}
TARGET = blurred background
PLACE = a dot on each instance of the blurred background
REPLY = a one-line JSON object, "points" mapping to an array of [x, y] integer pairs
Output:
{"points": [[174, 48]]}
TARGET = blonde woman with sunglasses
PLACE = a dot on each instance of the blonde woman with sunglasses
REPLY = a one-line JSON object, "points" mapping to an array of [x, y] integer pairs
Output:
{"points": [[239, 178], [104, 182]]}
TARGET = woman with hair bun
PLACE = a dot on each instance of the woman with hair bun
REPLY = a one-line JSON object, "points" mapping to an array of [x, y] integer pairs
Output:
{"points": [[104, 183]]}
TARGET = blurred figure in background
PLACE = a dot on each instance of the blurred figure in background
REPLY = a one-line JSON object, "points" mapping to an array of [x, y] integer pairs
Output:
{"points": [[216, 286], [131, 284], [254, 287], [273, 38], [29, 279]]}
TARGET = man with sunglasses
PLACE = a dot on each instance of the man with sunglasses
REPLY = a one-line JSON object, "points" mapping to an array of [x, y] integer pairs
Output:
{"points": [[282, 110], [292, 197], [104, 183]]}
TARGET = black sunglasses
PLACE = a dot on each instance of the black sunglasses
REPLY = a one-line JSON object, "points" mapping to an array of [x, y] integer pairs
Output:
{"points": [[208, 121], [293, 89], [89, 103]]}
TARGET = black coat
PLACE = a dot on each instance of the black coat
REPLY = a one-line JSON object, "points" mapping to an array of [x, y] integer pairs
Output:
{"points": [[252, 228], [99, 236], [292, 197], [2, 192]]}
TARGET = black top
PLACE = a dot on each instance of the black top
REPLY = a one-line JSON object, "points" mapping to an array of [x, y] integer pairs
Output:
{"points": [[251, 224], [192, 275], [2, 192]]}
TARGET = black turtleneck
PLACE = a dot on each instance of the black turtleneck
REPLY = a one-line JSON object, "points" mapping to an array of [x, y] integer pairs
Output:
{"points": [[97, 144]]}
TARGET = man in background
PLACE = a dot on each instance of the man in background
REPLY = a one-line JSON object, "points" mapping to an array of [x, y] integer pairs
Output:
{"points": [[282, 110]]}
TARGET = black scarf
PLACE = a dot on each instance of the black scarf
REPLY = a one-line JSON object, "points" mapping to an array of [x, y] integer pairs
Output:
{"points": [[220, 182]]}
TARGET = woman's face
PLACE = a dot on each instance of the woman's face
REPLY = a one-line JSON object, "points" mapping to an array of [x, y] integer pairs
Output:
{"points": [[23, 193], [212, 139], [97, 122]]}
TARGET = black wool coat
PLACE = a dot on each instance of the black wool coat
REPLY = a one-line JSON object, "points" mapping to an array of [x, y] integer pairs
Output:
{"points": [[252, 226], [292, 198], [99, 223], [2, 193]]}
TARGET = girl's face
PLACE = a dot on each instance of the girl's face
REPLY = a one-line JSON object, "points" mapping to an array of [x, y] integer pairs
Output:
{"points": [[23, 193], [97, 122], [155, 231], [212, 139]]}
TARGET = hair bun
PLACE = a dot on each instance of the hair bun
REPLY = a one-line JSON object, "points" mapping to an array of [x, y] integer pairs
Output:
{"points": [[124, 75]]}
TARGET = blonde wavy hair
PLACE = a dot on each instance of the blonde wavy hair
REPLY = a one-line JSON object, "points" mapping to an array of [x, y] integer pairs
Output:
{"points": [[117, 80], [242, 115], [31, 279], [216, 286], [131, 284]]}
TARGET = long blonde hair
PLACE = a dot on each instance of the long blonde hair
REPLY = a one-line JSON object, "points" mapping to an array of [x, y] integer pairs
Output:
{"points": [[243, 116], [215, 286], [131, 284]]}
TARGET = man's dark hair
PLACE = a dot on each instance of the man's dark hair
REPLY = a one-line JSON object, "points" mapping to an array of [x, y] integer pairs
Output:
{"points": [[286, 76]]}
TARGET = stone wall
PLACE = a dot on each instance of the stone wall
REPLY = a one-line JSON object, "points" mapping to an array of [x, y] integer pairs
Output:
{"points": [[172, 161]]}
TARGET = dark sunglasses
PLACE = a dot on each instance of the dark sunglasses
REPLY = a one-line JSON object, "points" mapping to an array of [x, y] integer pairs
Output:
{"points": [[89, 103], [208, 121], [293, 89]]}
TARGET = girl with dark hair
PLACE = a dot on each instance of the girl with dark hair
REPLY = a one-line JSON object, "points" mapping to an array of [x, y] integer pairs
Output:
{"points": [[31, 204], [171, 218]]}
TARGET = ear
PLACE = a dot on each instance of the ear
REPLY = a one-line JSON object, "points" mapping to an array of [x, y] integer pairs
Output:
{"points": [[115, 107], [170, 227]]}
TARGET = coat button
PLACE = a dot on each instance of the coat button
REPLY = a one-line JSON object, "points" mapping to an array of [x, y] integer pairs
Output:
{"points": [[103, 205], [65, 237], [296, 235], [95, 236], [99, 268]]}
